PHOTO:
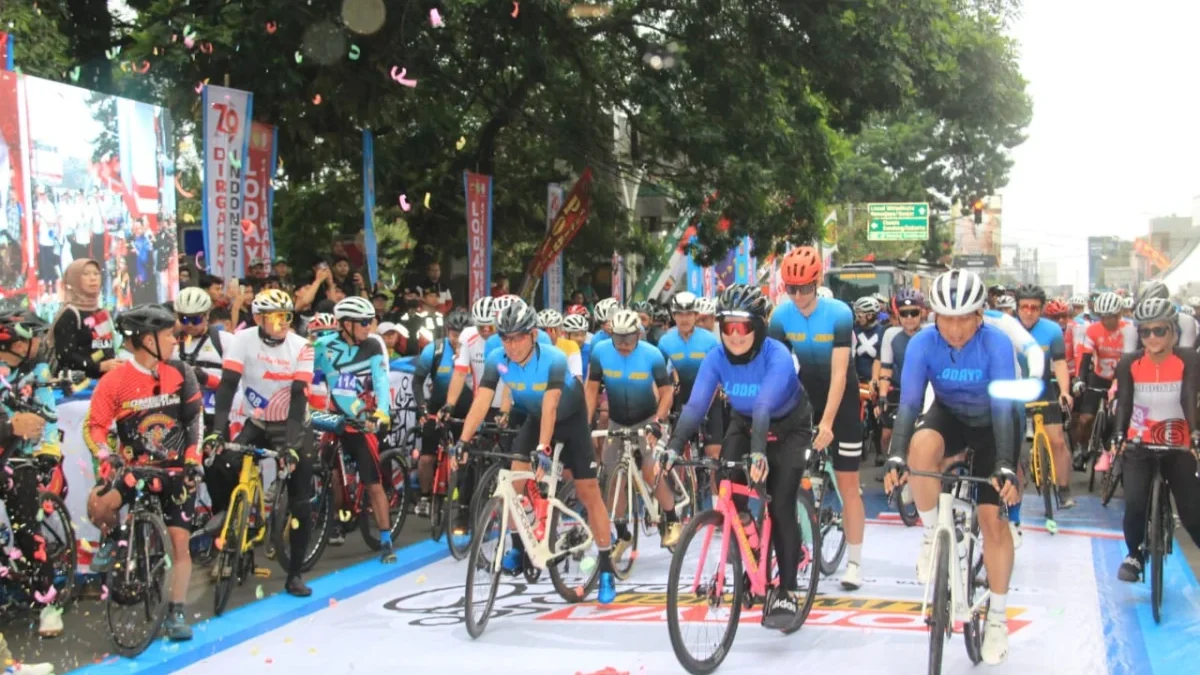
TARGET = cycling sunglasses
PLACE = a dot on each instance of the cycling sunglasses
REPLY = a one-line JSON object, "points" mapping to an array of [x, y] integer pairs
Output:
{"points": [[910, 313], [513, 337], [732, 328], [361, 322], [802, 289], [284, 317], [191, 319], [625, 340], [1029, 307], [1157, 331]]}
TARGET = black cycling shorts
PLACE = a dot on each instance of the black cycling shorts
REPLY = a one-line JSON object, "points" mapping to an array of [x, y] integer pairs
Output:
{"points": [[178, 503], [714, 421], [1089, 403], [888, 419], [578, 455], [793, 436], [364, 448], [957, 437], [847, 445]]}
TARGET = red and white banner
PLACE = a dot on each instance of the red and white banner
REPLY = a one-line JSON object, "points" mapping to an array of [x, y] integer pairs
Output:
{"points": [[256, 217], [227, 114], [479, 233], [18, 247], [577, 206]]}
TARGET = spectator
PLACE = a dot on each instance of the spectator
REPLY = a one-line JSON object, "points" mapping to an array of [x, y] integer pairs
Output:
{"points": [[419, 325], [185, 277], [219, 318], [383, 302], [349, 281], [216, 289], [433, 283], [284, 272], [391, 337], [83, 331], [500, 288]]}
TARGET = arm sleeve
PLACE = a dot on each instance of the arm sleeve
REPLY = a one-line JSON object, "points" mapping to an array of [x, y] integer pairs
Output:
{"points": [[1124, 378], [297, 405], [424, 366], [102, 410], [697, 404], [913, 381], [226, 390], [775, 388], [380, 383], [192, 413], [658, 370], [886, 356], [1002, 365], [557, 377]]}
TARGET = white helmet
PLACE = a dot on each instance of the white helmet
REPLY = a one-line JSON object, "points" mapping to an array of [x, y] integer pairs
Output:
{"points": [[193, 300], [484, 311], [550, 318], [1194, 301], [1108, 304], [1127, 303], [626, 322], [824, 292], [867, 305], [501, 303], [1079, 300], [706, 306], [605, 309], [354, 307], [1187, 309], [1006, 302], [575, 323], [683, 301], [275, 300], [957, 293]]}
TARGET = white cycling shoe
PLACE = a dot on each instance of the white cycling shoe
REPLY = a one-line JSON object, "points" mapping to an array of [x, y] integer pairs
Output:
{"points": [[995, 643], [852, 579]]}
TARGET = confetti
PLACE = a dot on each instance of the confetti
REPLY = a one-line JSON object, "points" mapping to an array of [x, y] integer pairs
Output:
{"points": [[516, 9], [354, 52], [237, 164], [435, 19], [47, 597], [299, 57], [75, 74], [295, 523], [404, 203], [15, 554], [317, 100], [269, 662], [422, 579], [206, 48], [258, 592], [312, 650], [399, 77], [333, 602], [144, 69], [189, 41], [103, 592], [3, 572], [199, 87], [287, 640], [426, 200], [462, 143], [271, 27], [113, 53], [343, 514]]}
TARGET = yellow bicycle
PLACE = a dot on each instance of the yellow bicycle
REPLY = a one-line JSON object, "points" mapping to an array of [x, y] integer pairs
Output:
{"points": [[245, 523], [1041, 462]]}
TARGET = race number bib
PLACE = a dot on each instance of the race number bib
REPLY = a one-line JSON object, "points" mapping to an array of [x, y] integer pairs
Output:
{"points": [[209, 400], [346, 385], [256, 400]]}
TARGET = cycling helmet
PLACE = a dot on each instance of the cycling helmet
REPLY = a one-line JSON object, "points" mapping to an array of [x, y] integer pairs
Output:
{"points": [[957, 293], [1154, 289], [743, 301], [683, 302], [625, 322], [997, 289], [354, 307], [516, 318], [1006, 302], [550, 318], [458, 320], [1108, 304], [275, 300], [193, 300], [907, 297], [662, 315], [1153, 309], [800, 266], [867, 305], [17, 326], [706, 306], [1127, 303], [1055, 308], [143, 319], [1187, 309], [642, 307], [322, 322], [484, 311], [1031, 292], [824, 292], [580, 310], [575, 323], [1078, 300], [1194, 301], [605, 309]]}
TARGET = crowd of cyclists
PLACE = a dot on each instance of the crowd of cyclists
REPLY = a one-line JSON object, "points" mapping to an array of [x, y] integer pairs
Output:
{"points": [[738, 369]]}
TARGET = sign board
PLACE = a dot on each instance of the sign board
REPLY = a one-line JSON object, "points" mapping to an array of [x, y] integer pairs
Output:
{"points": [[900, 221], [975, 261]]}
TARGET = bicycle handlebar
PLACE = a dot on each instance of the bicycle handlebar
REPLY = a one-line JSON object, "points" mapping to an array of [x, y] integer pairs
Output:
{"points": [[619, 434], [259, 453]]}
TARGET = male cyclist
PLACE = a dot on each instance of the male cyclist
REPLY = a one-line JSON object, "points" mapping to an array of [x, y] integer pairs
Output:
{"points": [[553, 404], [201, 346], [757, 374], [550, 322], [706, 314], [868, 337], [437, 359], [575, 328], [685, 347], [1103, 344], [909, 306], [1006, 304], [1159, 383], [155, 405], [819, 331], [634, 373], [960, 358], [357, 372]]}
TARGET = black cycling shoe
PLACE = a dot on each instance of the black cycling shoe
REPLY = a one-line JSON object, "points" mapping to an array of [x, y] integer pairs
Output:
{"points": [[1131, 569], [782, 612], [295, 586]]}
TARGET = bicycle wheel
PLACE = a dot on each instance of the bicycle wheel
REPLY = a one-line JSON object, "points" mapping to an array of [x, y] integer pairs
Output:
{"points": [[940, 621], [61, 550], [907, 508], [483, 577], [228, 560], [700, 596], [976, 586], [483, 490], [1155, 534], [1044, 477], [320, 519], [833, 535], [809, 573], [393, 474], [458, 511], [141, 582], [573, 582], [683, 484], [1112, 477], [437, 516], [620, 489]]}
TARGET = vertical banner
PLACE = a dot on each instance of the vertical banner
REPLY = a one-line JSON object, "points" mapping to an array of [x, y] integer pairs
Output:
{"points": [[17, 247], [6, 50], [695, 273], [618, 277], [369, 242], [742, 272], [227, 115], [577, 206], [479, 233], [829, 237], [553, 282], [260, 196], [710, 282]]}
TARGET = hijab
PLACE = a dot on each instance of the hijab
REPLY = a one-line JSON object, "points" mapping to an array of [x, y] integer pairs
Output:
{"points": [[73, 286]]}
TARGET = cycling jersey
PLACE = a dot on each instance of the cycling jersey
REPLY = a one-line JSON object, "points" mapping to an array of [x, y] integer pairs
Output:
{"points": [[266, 373], [1034, 365], [1106, 347], [631, 381], [891, 353], [1156, 402], [686, 355], [30, 382], [545, 370], [960, 380], [1049, 338], [867, 345], [1069, 348], [1187, 331], [574, 360], [357, 375], [763, 390], [205, 353], [470, 359], [813, 339], [441, 375], [157, 414]]}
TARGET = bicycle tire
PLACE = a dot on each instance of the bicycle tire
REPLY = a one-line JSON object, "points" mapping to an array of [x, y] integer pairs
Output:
{"points": [[940, 622], [810, 537], [734, 576], [619, 480], [477, 563], [394, 479], [319, 532], [484, 490], [830, 522], [60, 544], [566, 495], [456, 511], [1112, 478], [144, 520], [907, 510], [1155, 535], [437, 516], [1045, 474], [231, 551], [973, 626]]}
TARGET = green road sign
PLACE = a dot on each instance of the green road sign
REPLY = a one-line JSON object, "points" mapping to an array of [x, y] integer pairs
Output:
{"points": [[904, 221]]}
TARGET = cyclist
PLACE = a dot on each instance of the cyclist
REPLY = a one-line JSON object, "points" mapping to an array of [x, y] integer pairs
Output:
{"points": [[155, 404], [1058, 312], [994, 294], [819, 331], [494, 343], [575, 328], [706, 314], [960, 358], [1159, 383], [550, 322], [868, 334], [685, 347], [357, 370], [27, 376], [1103, 344], [471, 354], [634, 373], [201, 346], [1030, 301], [1186, 335], [437, 359], [554, 407], [604, 311], [908, 306], [1006, 304], [757, 374]]}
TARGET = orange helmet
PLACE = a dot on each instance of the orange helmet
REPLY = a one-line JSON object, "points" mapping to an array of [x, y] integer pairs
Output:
{"points": [[1055, 308], [801, 266]]}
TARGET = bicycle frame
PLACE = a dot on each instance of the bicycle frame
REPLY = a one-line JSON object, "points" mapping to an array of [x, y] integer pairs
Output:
{"points": [[635, 481], [826, 469], [755, 567], [250, 486], [1039, 435]]}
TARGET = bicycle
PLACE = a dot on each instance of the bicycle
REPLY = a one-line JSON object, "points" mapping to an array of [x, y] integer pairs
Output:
{"points": [[872, 426], [704, 484], [458, 542], [1096, 445], [1041, 463], [1160, 523], [818, 475], [538, 522], [441, 483], [55, 528], [626, 483], [759, 582], [244, 525]]}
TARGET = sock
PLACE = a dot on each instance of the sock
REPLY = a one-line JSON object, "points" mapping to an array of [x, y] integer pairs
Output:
{"points": [[856, 554], [517, 543], [1014, 513], [385, 538], [996, 611], [606, 560], [623, 531], [1064, 491], [669, 514], [929, 519]]}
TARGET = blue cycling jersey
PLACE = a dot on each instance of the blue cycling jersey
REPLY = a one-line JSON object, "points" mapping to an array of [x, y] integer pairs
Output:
{"points": [[1022, 341], [545, 370], [686, 355], [354, 370], [494, 342], [442, 374], [30, 382], [764, 389], [814, 337], [867, 345], [1049, 338], [632, 381], [960, 380]]}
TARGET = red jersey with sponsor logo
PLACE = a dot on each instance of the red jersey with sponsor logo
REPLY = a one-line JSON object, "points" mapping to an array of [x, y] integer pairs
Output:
{"points": [[1107, 347], [1157, 400], [157, 415]]}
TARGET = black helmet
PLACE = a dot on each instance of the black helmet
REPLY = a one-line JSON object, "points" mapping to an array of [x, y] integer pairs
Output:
{"points": [[1031, 292], [642, 307], [458, 320], [143, 319], [998, 289], [1154, 289], [516, 318], [1154, 309], [742, 300], [21, 325]]}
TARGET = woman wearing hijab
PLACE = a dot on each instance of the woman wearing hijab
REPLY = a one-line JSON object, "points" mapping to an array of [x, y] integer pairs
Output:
{"points": [[83, 331]]}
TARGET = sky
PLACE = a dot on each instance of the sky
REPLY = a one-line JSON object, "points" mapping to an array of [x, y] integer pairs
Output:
{"points": [[1116, 124]]}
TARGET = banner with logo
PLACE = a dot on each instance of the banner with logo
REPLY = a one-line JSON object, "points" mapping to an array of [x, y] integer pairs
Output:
{"points": [[370, 243], [260, 196], [577, 206], [742, 273], [618, 277], [479, 233], [657, 269], [553, 282], [6, 50], [227, 114], [18, 259]]}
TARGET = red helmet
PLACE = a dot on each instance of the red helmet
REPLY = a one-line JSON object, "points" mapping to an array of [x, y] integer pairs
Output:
{"points": [[1055, 308], [801, 266], [581, 310]]}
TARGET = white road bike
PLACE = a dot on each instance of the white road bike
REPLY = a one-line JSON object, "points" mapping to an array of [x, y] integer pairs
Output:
{"points": [[554, 535]]}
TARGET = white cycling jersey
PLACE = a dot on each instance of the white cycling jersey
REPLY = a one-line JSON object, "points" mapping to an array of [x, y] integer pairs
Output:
{"points": [[1187, 331], [268, 372], [1022, 341], [203, 353], [470, 358]]}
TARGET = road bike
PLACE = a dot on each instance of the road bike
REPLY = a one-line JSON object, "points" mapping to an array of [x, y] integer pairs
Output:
{"points": [[819, 476], [1041, 463], [58, 537], [245, 523], [1160, 521]]}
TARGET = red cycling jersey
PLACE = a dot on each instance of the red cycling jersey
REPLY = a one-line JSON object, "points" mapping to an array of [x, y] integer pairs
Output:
{"points": [[1156, 402], [157, 416], [1107, 347]]}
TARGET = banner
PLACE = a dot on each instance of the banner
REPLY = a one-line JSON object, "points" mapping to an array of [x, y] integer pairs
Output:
{"points": [[710, 282], [618, 277], [260, 196], [727, 270], [227, 114], [6, 50], [479, 234], [552, 284], [656, 270], [18, 263], [695, 273], [742, 273], [370, 243], [577, 206]]}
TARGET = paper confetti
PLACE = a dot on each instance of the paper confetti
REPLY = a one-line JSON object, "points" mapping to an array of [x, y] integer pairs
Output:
{"points": [[46, 598], [85, 545], [426, 200], [343, 514], [333, 602], [103, 592], [317, 100], [435, 19], [516, 9], [299, 57], [75, 74], [404, 203], [399, 77], [354, 52], [237, 164], [271, 27], [3, 572], [258, 592], [295, 523], [462, 143], [113, 53], [422, 579]]}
